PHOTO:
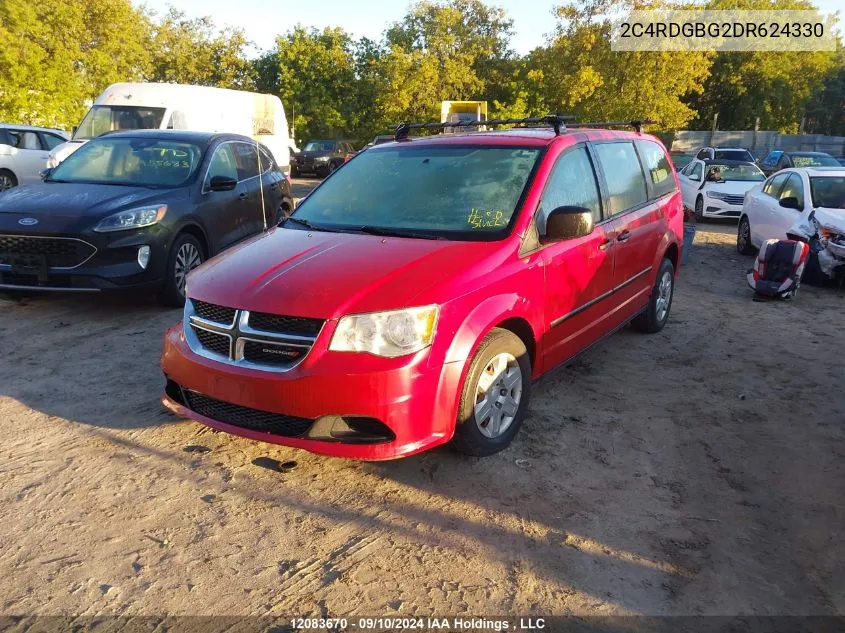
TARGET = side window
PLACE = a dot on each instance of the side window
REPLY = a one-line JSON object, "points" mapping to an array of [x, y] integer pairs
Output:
{"points": [[657, 167], [793, 188], [24, 139], [696, 171], [571, 183], [222, 164], [246, 159], [772, 187], [624, 175], [267, 161], [772, 158], [51, 140]]}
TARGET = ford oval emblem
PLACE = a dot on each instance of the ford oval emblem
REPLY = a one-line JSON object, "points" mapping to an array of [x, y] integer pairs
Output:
{"points": [[28, 221]]}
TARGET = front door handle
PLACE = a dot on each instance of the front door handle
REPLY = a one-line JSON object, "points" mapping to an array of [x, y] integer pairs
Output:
{"points": [[605, 245], [242, 196], [624, 235]]}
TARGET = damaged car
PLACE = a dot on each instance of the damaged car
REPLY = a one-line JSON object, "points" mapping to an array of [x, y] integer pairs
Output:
{"points": [[807, 204]]}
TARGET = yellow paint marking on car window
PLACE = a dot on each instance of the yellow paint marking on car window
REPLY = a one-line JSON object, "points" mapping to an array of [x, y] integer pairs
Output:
{"points": [[479, 219]]}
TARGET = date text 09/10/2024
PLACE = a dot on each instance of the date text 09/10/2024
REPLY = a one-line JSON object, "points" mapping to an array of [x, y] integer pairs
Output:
{"points": [[447, 625]]}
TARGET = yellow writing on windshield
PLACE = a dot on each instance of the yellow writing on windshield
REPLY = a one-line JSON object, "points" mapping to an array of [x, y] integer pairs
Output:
{"points": [[479, 219]]}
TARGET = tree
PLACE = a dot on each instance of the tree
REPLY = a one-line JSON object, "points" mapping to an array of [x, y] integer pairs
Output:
{"points": [[826, 108], [774, 86], [578, 74], [193, 51]]}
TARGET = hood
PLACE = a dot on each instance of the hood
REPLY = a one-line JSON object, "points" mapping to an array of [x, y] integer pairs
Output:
{"points": [[736, 187], [328, 275], [833, 219], [71, 207]]}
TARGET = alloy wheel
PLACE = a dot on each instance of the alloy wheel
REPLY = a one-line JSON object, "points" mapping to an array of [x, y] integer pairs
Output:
{"points": [[664, 296], [6, 182], [497, 395], [743, 236], [187, 258]]}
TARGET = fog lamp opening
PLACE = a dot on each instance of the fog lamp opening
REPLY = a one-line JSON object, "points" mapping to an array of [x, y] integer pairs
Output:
{"points": [[144, 256]]}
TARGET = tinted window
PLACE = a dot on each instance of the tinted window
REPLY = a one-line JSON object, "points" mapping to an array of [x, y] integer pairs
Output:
{"points": [[657, 167], [52, 140], [734, 154], [24, 140], [267, 161], [773, 186], [793, 189], [696, 171], [101, 119], [624, 175], [572, 183], [222, 164], [246, 158], [469, 191]]}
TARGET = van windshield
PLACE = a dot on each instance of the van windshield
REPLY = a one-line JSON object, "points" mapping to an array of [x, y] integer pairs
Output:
{"points": [[465, 193], [102, 119]]}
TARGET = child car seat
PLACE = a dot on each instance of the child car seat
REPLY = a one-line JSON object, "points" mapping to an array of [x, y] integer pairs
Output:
{"points": [[778, 268]]}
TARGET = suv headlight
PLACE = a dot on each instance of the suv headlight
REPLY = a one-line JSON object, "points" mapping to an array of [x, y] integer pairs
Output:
{"points": [[390, 334], [132, 219]]}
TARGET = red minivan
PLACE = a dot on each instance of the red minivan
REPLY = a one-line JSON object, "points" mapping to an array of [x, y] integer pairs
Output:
{"points": [[413, 296]]}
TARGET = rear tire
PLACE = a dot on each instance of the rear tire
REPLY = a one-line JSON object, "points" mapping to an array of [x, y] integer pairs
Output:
{"points": [[660, 304], [7, 180], [495, 395], [743, 237], [185, 255]]}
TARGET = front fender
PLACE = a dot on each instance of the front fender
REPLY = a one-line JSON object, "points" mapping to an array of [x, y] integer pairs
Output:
{"points": [[483, 318]]}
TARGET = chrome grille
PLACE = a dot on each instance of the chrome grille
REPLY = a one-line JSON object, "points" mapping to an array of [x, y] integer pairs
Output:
{"points": [[735, 200], [259, 340], [59, 252], [244, 417]]}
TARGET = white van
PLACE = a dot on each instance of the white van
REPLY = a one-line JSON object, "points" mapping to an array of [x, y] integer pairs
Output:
{"points": [[130, 106]]}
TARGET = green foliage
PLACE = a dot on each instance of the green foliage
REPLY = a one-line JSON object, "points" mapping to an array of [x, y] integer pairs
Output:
{"points": [[826, 108]]}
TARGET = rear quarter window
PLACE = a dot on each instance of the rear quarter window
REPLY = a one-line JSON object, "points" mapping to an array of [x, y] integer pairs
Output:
{"points": [[658, 168]]}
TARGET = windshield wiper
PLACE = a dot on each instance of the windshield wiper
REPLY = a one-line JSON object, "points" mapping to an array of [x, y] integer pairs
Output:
{"points": [[377, 230], [308, 225]]}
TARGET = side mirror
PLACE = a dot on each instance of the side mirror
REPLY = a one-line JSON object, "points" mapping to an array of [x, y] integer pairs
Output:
{"points": [[566, 223], [222, 183], [790, 202]]}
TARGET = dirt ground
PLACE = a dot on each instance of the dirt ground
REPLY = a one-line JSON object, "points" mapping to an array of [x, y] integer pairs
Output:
{"points": [[697, 471]]}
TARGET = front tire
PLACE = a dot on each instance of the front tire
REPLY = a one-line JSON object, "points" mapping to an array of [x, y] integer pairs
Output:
{"points": [[699, 209], [495, 395], [7, 180], [185, 255], [743, 237], [660, 304]]}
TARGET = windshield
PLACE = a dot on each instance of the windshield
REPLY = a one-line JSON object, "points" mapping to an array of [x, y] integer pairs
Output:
{"points": [[320, 146], [102, 119], [814, 160], [733, 154], [463, 192], [130, 161], [828, 192], [746, 173]]}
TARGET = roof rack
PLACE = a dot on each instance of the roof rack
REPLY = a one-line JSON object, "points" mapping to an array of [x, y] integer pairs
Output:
{"points": [[559, 122]]}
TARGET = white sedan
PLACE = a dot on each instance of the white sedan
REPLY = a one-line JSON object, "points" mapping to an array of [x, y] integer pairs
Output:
{"points": [[804, 201], [24, 151], [716, 188]]}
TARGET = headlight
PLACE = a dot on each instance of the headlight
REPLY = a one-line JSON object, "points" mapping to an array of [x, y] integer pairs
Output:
{"points": [[321, 159], [716, 194], [390, 334], [132, 219]]}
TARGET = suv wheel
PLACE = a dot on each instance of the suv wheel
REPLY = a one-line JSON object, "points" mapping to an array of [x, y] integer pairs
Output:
{"points": [[657, 312], [495, 395], [7, 180], [743, 237], [185, 255]]}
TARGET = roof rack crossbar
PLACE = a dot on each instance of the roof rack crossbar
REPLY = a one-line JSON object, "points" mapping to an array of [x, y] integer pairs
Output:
{"points": [[557, 121]]}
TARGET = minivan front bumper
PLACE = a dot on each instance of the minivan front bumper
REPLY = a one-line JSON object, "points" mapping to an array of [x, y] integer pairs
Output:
{"points": [[337, 404]]}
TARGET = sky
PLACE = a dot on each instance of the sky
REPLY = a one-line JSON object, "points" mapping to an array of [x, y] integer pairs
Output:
{"points": [[263, 20]]}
